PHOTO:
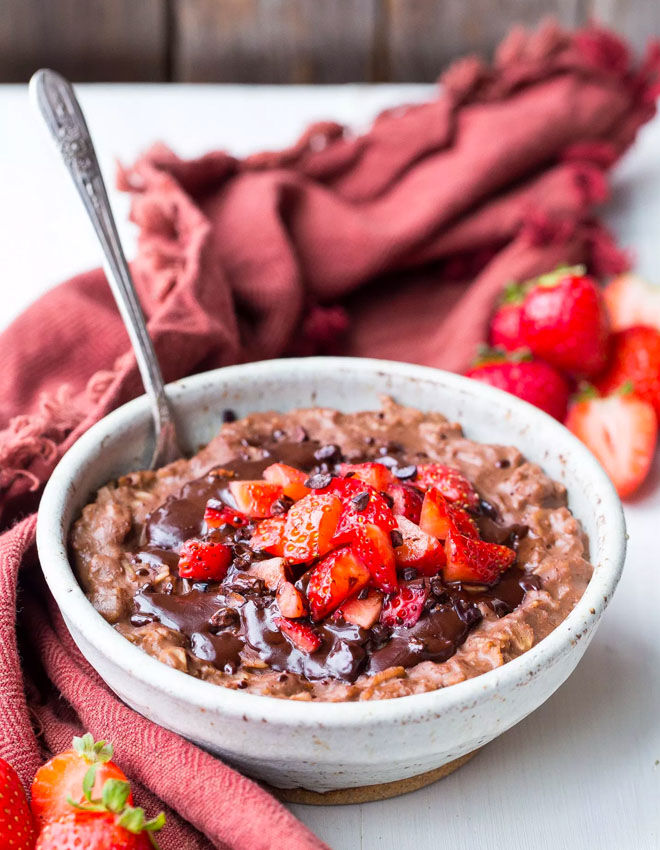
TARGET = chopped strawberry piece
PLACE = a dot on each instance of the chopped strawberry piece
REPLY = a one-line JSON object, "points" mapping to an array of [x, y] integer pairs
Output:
{"points": [[449, 481], [310, 526], [404, 608], [362, 612], [475, 561], [272, 572], [440, 516], [290, 479], [419, 550], [269, 536], [255, 498], [374, 547], [376, 475], [290, 601], [215, 517], [622, 431], [303, 636], [200, 559], [338, 576], [362, 505], [407, 501]]}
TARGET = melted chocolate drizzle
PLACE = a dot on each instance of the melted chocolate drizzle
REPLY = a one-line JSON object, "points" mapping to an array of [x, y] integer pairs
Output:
{"points": [[226, 624]]}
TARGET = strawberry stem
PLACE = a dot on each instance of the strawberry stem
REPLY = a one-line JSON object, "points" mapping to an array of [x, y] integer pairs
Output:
{"points": [[93, 752]]}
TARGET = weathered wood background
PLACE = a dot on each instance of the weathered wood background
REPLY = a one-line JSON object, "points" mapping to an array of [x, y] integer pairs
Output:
{"points": [[278, 41]]}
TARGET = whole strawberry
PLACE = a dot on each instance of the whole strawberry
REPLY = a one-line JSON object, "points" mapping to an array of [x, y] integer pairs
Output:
{"points": [[505, 323], [521, 375], [17, 829], [635, 362], [564, 321]]}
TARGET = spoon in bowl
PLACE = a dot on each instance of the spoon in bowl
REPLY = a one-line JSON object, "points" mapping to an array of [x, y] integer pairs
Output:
{"points": [[56, 101]]}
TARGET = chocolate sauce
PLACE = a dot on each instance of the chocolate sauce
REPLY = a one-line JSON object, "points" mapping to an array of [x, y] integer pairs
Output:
{"points": [[221, 620]]}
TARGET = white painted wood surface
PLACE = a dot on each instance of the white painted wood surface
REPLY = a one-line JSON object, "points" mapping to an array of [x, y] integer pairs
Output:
{"points": [[582, 772]]}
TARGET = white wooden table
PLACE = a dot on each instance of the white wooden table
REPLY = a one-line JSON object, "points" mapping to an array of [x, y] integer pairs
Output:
{"points": [[583, 771]]}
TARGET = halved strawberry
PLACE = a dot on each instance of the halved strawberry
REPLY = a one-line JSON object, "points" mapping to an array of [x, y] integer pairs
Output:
{"points": [[310, 527], [362, 612], [407, 501], [632, 301], [634, 362], [439, 517], [376, 475], [338, 576], [404, 608], [303, 636], [374, 547], [475, 561], [255, 498], [622, 431], [200, 559], [215, 517], [419, 550], [269, 536], [290, 479], [290, 601], [449, 481], [272, 572]]}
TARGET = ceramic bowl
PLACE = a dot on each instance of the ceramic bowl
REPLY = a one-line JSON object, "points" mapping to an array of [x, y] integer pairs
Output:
{"points": [[329, 746]]}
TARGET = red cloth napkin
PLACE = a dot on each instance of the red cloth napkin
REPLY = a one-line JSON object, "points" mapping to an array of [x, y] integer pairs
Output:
{"points": [[391, 244]]}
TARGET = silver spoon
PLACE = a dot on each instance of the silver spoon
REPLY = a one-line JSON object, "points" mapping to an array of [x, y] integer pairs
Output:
{"points": [[59, 107]]}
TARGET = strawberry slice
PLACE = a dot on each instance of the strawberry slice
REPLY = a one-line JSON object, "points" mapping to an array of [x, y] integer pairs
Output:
{"points": [[450, 482], [290, 479], [338, 576], [269, 536], [272, 572], [374, 547], [439, 517], [475, 561], [200, 559], [303, 636], [404, 608], [407, 501], [376, 475], [362, 505], [214, 517], [290, 601], [362, 612], [420, 550], [310, 526], [255, 498], [622, 431]]}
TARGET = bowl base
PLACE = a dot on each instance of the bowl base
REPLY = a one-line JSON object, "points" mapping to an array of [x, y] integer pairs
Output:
{"points": [[369, 793]]}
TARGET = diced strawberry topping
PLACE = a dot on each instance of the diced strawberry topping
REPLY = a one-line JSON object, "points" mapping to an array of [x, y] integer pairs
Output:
{"points": [[362, 505], [362, 612], [272, 572], [255, 498], [269, 536], [407, 501], [204, 560], [449, 482], [376, 475], [374, 547], [290, 601], [439, 517], [404, 608], [420, 550], [335, 578], [310, 526], [475, 561], [215, 517], [291, 480], [303, 636]]}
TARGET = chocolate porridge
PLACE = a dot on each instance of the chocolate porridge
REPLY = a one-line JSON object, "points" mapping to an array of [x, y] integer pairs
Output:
{"points": [[322, 555]]}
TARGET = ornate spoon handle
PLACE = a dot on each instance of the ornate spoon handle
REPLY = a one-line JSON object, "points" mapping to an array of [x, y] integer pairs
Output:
{"points": [[57, 102]]}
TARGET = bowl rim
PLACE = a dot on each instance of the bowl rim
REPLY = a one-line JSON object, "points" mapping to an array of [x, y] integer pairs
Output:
{"points": [[206, 696]]}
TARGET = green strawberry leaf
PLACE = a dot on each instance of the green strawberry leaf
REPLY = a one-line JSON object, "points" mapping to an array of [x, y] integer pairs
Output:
{"points": [[552, 278], [88, 781], [92, 751], [115, 794]]}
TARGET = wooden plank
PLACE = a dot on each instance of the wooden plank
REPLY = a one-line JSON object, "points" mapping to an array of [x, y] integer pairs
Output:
{"points": [[86, 40], [274, 41], [636, 20], [425, 35]]}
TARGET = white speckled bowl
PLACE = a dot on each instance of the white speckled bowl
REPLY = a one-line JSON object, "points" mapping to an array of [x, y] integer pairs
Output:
{"points": [[327, 746]]}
